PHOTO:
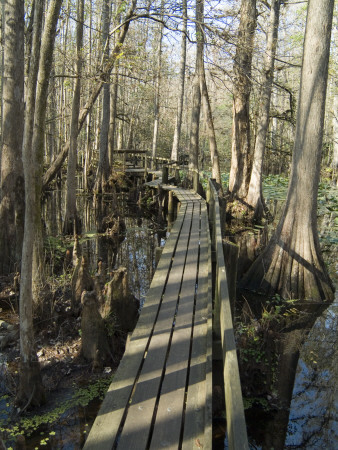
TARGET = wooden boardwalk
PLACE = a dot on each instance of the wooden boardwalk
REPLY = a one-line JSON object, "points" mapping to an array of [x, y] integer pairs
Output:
{"points": [[160, 396]]}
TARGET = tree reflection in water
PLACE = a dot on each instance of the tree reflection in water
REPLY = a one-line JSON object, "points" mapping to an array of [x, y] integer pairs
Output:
{"points": [[313, 420], [299, 409]]}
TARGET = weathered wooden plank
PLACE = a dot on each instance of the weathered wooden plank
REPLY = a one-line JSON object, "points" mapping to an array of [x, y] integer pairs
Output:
{"points": [[107, 423], [197, 422], [167, 428], [135, 433], [172, 372]]}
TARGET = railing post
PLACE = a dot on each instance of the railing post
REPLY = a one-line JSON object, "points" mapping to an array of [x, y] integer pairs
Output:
{"points": [[195, 181], [124, 160], [231, 252], [165, 175], [177, 176], [145, 167]]}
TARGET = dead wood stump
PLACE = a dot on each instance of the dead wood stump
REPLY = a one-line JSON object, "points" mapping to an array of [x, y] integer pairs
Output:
{"points": [[95, 346], [120, 302], [81, 281]]}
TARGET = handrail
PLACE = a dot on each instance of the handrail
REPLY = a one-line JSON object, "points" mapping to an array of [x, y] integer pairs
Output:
{"points": [[236, 426]]}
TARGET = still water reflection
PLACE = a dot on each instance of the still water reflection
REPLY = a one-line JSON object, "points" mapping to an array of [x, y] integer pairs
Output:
{"points": [[301, 411], [134, 248], [313, 421]]}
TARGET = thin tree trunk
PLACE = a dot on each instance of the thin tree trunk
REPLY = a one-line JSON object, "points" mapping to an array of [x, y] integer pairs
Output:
{"points": [[216, 173], [56, 165], [63, 91], [196, 94], [113, 113], [255, 193], [195, 124], [240, 150], [157, 90], [12, 180], [292, 264], [103, 167], [30, 378], [30, 386], [71, 222], [45, 66], [114, 95], [88, 152], [52, 114], [177, 133]]}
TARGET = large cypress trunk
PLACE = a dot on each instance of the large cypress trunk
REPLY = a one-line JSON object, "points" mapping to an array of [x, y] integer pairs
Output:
{"points": [[292, 264]]}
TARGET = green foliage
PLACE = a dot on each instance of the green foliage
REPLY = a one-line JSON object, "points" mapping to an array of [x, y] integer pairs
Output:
{"points": [[275, 187], [205, 175], [204, 178], [32, 423], [55, 245], [254, 401], [225, 180], [257, 339], [55, 251], [328, 208], [111, 324], [276, 308]]}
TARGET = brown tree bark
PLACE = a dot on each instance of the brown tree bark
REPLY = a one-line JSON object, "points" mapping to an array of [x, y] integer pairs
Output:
{"points": [[291, 264], [12, 181], [240, 150], [113, 112], [254, 198], [30, 385], [114, 92], [72, 222], [335, 136], [157, 90], [177, 133], [196, 94], [103, 168], [30, 389], [216, 173]]}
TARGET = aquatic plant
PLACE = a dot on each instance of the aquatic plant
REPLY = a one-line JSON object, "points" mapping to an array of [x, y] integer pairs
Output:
{"points": [[13, 425]]}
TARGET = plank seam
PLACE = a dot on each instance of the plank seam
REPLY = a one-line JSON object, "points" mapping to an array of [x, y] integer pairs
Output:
{"points": [[192, 331], [118, 434], [153, 420]]}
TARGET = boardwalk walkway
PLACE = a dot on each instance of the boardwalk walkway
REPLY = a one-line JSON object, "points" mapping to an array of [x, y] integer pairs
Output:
{"points": [[160, 396]]}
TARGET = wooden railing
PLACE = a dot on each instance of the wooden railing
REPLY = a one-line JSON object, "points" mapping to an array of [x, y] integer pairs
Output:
{"points": [[139, 159], [223, 329]]}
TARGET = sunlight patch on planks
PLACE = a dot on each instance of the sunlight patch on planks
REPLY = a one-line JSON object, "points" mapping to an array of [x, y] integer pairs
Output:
{"points": [[161, 393]]}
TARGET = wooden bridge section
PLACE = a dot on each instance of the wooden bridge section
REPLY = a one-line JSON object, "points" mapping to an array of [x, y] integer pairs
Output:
{"points": [[161, 394]]}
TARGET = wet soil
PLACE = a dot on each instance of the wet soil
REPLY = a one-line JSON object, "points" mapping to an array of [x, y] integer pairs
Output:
{"points": [[63, 369]]}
